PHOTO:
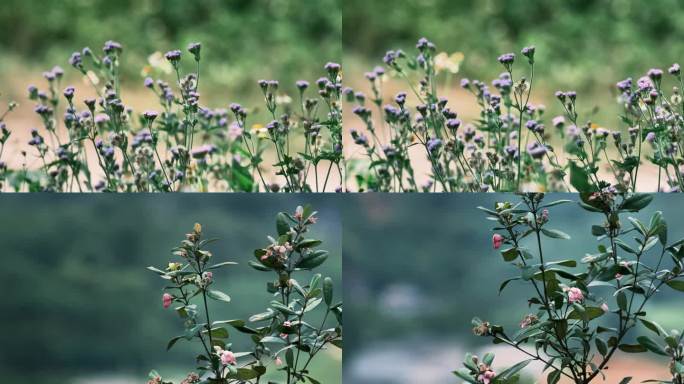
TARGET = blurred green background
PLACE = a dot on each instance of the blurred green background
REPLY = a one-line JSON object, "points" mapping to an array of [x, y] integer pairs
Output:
{"points": [[78, 305], [243, 40], [417, 269], [585, 45]]}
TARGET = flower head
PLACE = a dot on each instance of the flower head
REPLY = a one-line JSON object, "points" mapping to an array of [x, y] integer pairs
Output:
{"points": [[195, 49], [228, 358], [487, 376], [575, 295], [497, 241], [507, 59], [167, 299], [173, 56]]}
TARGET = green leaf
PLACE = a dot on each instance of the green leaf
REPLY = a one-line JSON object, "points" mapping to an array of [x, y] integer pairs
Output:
{"points": [[273, 340], [218, 333], [308, 243], [579, 178], [463, 374], [555, 234], [589, 313], [488, 358], [601, 346], [246, 374], [553, 377], [510, 254], [258, 266], [313, 260], [654, 327], [173, 341], [676, 284], [622, 300], [598, 230], [651, 345], [505, 283], [636, 202], [282, 224], [508, 373], [632, 348], [219, 265], [328, 291], [218, 295], [557, 202]]}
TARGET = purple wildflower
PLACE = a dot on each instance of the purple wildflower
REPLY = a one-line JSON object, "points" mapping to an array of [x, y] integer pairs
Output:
{"points": [[173, 56], [675, 69], [536, 150]]}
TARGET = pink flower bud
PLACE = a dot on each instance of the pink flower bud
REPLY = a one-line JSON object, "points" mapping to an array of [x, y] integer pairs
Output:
{"points": [[208, 276], [487, 376], [228, 358], [278, 362], [575, 295], [497, 240], [604, 307], [167, 300]]}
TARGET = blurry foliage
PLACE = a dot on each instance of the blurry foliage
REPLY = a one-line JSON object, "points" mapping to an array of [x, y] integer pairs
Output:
{"points": [[435, 252], [77, 299], [584, 44], [243, 39]]}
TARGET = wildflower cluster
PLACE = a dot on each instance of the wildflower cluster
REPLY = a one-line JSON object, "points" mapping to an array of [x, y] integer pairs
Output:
{"points": [[285, 339], [4, 137], [183, 145], [509, 147], [567, 325]]}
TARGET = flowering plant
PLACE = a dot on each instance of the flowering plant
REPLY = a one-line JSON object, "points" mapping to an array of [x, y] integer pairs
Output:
{"points": [[183, 145], [567, 328], [509, 147], [285, 339], [4, 136]]}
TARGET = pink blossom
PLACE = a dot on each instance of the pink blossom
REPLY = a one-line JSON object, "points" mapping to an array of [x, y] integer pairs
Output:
{"points": [[287, 324], [278, 362], [497, 240], [604, 307], [228, 358], [487, 376], [234, 131], [167, 300], [208, 276], [575, 295]]}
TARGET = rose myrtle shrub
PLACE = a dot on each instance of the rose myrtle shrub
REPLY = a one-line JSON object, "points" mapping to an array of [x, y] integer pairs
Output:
{"points": [[565, 328], [509, 147], [285, 339], [182, 145]]}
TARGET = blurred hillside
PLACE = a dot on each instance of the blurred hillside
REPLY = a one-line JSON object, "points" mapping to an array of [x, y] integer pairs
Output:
{"points": [[243, 40], [585, 45], [79, 303]]}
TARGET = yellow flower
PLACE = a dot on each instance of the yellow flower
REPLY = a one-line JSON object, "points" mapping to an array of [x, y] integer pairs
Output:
{"points": [[449, 63], [157, 62], [259, 131], [283, 99], [174, 267]]}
